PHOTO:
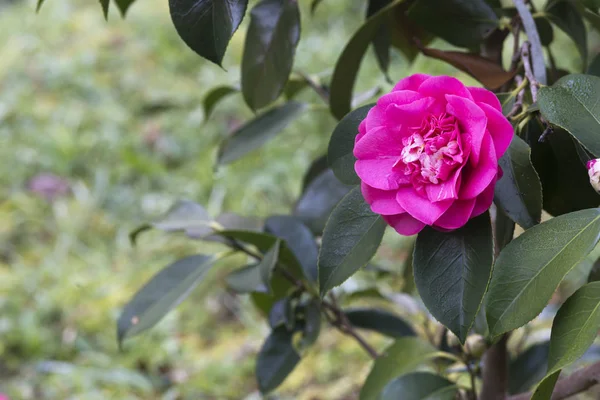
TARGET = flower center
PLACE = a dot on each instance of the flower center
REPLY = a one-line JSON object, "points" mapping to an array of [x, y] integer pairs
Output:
{"points": [[432, 152]]}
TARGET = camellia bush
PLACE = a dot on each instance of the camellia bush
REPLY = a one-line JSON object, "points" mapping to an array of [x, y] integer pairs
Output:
{"points": [[492, 180]]}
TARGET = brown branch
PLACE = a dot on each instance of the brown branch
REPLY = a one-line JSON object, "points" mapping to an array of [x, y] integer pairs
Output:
{"points": [[577, 382], [495, 371], [533, 83]]}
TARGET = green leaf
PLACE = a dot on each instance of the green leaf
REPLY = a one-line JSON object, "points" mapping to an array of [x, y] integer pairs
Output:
{"points": [[350, 239], [123, 6], [276, 360], [530, 267], [594, 274], [528, 368], [312, 324], [340, 154], [573, 331], [214, 96], [504, 230], [246, 280], [419, 386], [347, 65], [568, 19], [268, 263], [104, 3], [403, 356], [206, 26], [316, 168], [537, 53], [282, 314], [269, 50], [519, 191], [319, 199], [452, 271], [161, 294], [464, 23], [545, 31], [380, 321], [507, 100], [258, 131], [299, 239], [571, 104], [313, 6], [382, 41], [594, 67]]}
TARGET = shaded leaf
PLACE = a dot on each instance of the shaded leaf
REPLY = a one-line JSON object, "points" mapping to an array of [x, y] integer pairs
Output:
{"points": [[350, 239], [276, 360], [595, 272], [319, 199], [419, 386], [567, 18], [271, 41], [161, 294], [268, 263], [528, 368], [206, 26], [489, 73], [382, 41], [380, 321], [312, 324], [452, 271], [504, 229], [104, 3], [245, 280], [519, 191], [507, 100], [282, 314], [313, 5], [545, 31], [464, 23], [214, 96], [530, 267], [258, 131], [340, 153], [537, 53], [571, 103], [316, 168], [123, 6], [403, 356]]}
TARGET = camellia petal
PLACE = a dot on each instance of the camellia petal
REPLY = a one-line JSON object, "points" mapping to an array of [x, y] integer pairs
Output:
{"points": [[441, 86], [411, 82], [481, 95], [500, 129], [473, 122], [378, 142], [380, 173], [404, 224], [457, 215], [420, 207], [381, 201], [484, 200], [476, 179]]}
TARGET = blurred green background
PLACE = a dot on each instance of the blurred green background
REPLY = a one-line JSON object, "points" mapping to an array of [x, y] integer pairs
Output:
{"points": [[101, 128]]}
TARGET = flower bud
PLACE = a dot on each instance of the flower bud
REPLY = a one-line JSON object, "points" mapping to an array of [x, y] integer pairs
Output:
{"points": [[593, 167], [452, 339], [475, 346]]}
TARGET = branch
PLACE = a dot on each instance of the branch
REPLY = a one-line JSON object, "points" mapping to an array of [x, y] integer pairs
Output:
{"points": [[533, 83], [495, 371], [577, 382]]}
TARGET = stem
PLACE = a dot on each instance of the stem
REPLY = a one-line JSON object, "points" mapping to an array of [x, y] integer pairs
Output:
{"points": [[533, 83], [495, 371], [473, 391], [520, 93]]}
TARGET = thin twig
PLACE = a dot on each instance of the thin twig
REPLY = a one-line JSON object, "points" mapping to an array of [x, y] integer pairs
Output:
{"points": [[473, 390], [533, 83], [521, 83]]}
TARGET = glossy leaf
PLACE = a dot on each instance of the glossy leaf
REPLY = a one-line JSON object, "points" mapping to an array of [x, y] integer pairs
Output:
{"points": [[530, 267], [123, 6], [519, 191], [271, 41], [537, 53], [403, 356], [206, 26], [382, 41], [545, 31], [340, 154], [319, 199], [573, 331], [452, 271], [246, 280], [464, 23], [282, 314], [380, 321], [350, 239], [276, 360], [161, 294], [214, 96], [528, 368], [565, 16], [268, 263], [504, 229], [571, 103], [316, 168], [299, 239], [258, 131], [419, 386], [489, 73], [348, 63], [312, 324]]}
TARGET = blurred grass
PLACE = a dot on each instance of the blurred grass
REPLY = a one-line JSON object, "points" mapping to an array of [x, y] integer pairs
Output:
{"points": [[76, 95]]}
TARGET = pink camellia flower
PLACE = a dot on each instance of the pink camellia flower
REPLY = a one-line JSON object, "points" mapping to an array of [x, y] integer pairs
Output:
{"points": [[593, 167], [427, 153]]}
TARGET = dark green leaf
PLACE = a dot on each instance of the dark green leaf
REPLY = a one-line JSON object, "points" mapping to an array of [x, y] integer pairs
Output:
{"points": [[530, 267], [317, 167], [419, 386], [206, 26], [595, 272], [464, 23], [319, 199], [380, 321], [268, 263], [365, 96], [545, 31], [537, 53], [546, 387], [504, 231], [568, 19], [507, 100], [340, 156], [269, 50], [104, 3], [263, 302], [299, 239], [382, 41], [571, 103], [276, 360], [161, 294], [350, 239], [282, 314], [124, 5], [214, 96], [403, 356], [246, 280], [573, 331], [312, 324], [519, 191], [313, 5], [40, 2], [258, 131], [347, 65], [528, 368], [452, 271]]}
